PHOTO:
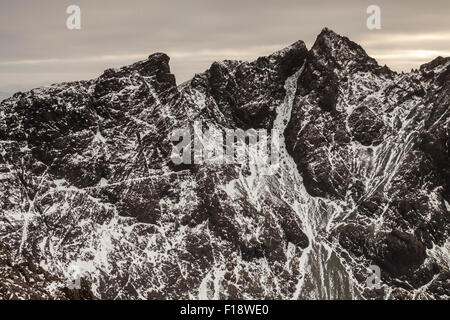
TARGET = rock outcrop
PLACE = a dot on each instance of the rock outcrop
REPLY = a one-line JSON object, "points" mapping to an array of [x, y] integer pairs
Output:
{"points": [[87, 179]]}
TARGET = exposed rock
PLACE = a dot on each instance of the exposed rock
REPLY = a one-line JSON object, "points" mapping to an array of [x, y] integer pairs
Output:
{"points": [[363, 178]]}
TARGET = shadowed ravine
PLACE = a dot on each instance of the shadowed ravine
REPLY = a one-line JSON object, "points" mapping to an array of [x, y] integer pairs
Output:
{"points": [[323, 275]]}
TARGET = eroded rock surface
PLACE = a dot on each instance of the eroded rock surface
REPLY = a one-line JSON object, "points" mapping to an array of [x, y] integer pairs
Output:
{"points": [[86, 178]]}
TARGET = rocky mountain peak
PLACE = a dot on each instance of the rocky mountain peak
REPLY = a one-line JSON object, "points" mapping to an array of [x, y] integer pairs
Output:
{"points": [[86, 179], [156, 65], [435, 63], [335, 51]]}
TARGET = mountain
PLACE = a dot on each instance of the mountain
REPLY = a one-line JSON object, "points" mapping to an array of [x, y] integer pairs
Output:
{"points": [[87, 179]]}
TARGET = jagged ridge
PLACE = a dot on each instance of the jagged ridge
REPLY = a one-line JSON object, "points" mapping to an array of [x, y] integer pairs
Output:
{"points": [[87, 179]]}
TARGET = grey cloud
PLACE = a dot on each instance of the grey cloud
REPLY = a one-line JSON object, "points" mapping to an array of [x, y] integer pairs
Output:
{"points": [[35, 30]]}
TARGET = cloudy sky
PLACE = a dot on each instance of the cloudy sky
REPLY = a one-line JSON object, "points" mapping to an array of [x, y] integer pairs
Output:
{"points": [[37, 49]]}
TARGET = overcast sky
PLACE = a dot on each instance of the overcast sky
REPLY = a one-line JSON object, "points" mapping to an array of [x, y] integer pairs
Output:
{"points": [[37, 49]]}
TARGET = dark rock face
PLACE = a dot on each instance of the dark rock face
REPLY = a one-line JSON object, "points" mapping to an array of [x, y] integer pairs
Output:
{"points": [[361, 134], [400, 253], [25, 280], [248, 93], [363, 178], [365, 127]]}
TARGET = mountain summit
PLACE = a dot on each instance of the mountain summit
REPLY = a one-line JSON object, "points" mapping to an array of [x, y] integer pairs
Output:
{"points": [[87, 181]]}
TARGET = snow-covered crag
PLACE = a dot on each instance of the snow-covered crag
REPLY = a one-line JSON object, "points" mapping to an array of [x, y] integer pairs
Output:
{"points": [[87, 180]]}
